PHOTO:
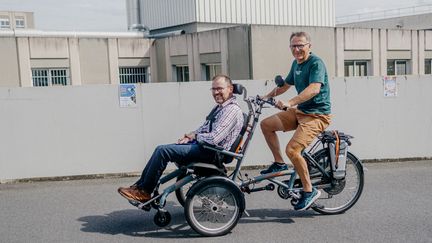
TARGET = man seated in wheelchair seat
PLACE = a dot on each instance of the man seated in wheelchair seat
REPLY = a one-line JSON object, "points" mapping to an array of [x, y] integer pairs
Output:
{"points": [[221, 128], [308, 113]]}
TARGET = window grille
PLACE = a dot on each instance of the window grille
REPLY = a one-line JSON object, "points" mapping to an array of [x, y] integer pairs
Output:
{"points": [[19, 23], [356, 68], [133, 75], [428, 64], [397, 67], [4, 23], [212, 70], [50, 77], [182, 73]]}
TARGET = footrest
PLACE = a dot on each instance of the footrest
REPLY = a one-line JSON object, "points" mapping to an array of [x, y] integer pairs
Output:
{"points": [[140, 205]]}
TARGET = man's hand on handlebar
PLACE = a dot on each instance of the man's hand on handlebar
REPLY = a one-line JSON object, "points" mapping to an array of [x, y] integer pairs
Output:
{"points": [[271, 101], [282, 105]]}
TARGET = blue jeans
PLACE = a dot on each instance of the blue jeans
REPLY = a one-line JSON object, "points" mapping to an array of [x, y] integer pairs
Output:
{"points": [[182, 154]]}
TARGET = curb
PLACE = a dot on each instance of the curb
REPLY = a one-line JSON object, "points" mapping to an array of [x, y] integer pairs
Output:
{"points": [[136, 174]]}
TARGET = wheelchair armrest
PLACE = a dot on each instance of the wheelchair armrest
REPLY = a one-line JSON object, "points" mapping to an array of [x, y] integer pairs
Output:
{"points": [[211, 146], [223, 151]]}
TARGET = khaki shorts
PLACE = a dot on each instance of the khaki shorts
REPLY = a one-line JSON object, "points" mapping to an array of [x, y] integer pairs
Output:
{"points": [[307, 126]]}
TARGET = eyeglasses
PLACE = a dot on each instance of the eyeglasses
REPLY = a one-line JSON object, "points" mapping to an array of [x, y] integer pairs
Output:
{"points": [[217, 89], [299, 46]]}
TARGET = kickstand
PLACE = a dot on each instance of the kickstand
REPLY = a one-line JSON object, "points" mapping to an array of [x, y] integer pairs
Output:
{"points": [[246, 212]]}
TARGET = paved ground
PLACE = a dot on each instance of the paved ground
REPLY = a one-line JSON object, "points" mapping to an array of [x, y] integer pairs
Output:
{"points": [[394, 207]]}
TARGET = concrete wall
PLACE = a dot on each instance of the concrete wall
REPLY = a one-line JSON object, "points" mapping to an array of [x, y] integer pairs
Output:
{"points": [[271, 54], [94, 61], [9, 63], [229, 47], [239, 49], [78, 130]]}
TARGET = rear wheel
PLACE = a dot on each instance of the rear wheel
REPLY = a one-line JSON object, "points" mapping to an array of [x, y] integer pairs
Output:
{"points": [[214, 208], [342, 194]]}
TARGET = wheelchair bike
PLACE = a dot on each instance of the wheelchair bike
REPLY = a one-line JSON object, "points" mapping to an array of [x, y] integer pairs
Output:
{"points": [[214, 201]]}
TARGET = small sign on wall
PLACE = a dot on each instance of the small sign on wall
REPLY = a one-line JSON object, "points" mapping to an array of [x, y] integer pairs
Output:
{"points": [[390, 86], [127, 95]]}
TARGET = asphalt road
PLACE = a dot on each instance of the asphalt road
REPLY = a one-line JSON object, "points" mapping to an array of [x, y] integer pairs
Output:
{"points": [[394, 207]]}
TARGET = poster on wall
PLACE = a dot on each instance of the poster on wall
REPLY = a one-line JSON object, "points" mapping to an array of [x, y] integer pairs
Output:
{"points": [[390, 86], [127, 95]]}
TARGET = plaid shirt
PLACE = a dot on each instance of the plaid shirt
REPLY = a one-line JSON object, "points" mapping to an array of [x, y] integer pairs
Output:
{"points": [[226, 127]]}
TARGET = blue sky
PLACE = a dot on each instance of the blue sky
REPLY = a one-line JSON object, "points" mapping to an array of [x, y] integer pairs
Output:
{"points": [[110, 15]]}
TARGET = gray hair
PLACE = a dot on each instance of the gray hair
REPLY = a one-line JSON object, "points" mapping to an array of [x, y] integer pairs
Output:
{"points": [[301, 34]]}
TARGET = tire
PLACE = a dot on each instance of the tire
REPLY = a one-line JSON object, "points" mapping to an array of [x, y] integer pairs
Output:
{"points": [[214, 206], [182, 191], [343, 194]]}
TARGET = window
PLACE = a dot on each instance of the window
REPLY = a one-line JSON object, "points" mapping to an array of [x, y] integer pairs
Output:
{"points": [[50, 77], [4, 23], [182, 73], [212, 70], [356, 68], [397, 67], [428, 64], [133, 75], [19, 22]]}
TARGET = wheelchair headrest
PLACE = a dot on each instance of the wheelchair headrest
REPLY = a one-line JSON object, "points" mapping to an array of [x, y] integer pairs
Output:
{"points": [[238, 89]]}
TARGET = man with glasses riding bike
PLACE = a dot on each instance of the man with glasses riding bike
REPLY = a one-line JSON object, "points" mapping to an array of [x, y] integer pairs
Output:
{"points": [[221, 128], [308, 113]]}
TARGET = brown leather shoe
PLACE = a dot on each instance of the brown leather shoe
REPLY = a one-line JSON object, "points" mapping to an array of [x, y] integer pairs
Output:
{"points": [[134, 194]]}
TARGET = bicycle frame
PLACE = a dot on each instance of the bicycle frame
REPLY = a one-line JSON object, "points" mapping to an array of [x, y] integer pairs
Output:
{"points": [[255, 106]]}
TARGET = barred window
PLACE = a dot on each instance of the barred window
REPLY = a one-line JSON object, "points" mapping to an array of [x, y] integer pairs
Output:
{"points": [[4, 23], [50, 77], [397, 67], [19, 23], [356, 68], [428, 65], [133, 75], [212, 70], [182, 73]]}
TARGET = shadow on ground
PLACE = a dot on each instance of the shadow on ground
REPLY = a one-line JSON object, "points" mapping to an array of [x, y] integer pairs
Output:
{"points": [[139, 223]]}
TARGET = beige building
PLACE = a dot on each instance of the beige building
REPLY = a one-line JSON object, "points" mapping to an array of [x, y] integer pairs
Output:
{"points": [[260, 52], [16, 20], [35, 58]]}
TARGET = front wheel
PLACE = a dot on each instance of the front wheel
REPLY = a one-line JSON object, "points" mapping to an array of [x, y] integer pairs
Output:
{"points": [[340, 195], [214, 207]]}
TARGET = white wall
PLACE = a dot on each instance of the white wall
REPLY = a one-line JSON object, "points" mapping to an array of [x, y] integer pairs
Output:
{"points": [[77, 130], [162, 14]]}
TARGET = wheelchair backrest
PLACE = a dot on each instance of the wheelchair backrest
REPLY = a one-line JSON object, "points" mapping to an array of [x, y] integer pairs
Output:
{"points": [[235, 147]]}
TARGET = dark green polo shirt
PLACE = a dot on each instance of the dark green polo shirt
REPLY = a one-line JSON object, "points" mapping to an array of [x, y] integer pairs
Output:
{"points": [[301, 75]]}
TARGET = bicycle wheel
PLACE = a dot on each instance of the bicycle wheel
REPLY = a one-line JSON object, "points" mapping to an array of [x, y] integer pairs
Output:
{"points": [[181, 192], [342, 194], [213, 207]]}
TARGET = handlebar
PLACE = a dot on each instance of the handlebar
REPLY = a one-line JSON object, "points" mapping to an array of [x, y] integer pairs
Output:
{"points": [[271, 101]]}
